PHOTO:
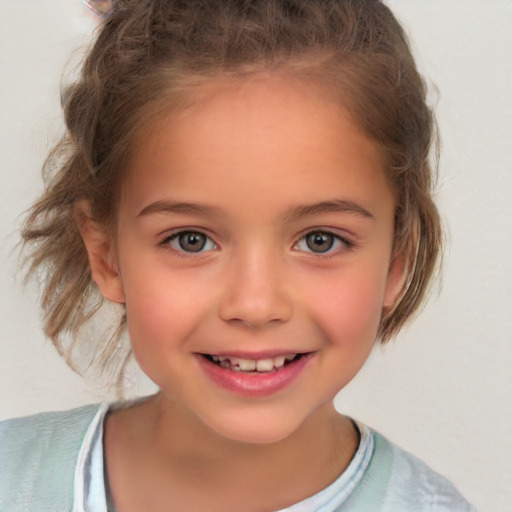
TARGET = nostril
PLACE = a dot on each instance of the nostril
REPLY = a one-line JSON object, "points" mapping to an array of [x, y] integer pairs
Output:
{"points": [[257, 319]]}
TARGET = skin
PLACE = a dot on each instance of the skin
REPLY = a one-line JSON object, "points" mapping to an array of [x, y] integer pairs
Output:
{"points": [[253, 157]]}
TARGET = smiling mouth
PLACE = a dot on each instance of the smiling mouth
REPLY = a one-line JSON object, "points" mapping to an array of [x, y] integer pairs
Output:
{"points": [[267, 365]]}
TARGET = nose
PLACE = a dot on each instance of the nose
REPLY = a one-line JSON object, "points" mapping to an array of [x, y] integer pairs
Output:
{"points": [[256, 293]]}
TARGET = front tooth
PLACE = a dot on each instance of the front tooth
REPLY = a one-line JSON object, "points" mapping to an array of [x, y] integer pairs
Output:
{"points": [[265, 365], [246, 365], [279, 361]]}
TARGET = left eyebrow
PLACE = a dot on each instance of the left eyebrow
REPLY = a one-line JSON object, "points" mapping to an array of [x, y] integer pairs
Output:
{"points": [[178, 207], [335, 205]]}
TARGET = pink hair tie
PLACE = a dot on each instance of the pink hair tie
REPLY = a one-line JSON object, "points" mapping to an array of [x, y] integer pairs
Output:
{"points": [[102, 8]]}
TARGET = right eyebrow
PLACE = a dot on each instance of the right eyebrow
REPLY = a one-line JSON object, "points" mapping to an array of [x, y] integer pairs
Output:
{"points": [[177, 207], [335, 205]]}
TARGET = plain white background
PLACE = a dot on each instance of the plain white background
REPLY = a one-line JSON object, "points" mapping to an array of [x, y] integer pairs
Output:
{"points": [[443, 390]]}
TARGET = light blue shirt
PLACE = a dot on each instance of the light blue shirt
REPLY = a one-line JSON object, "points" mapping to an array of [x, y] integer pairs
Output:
{"points": [[89, 486], [54, 462]]}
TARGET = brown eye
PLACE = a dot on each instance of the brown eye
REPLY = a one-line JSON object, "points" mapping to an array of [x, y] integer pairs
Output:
{"points": [[191, 241], [319, 241]]}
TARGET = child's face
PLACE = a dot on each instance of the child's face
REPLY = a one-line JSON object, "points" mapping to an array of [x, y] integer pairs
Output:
{"points": [[256, 225]]}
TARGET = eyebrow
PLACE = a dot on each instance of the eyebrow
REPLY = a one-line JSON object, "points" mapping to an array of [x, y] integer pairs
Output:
{"points": [[335, 205], [295, 213], [178, 207]]}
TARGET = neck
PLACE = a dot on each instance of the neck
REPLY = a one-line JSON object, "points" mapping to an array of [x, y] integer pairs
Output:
{"points": [[184, 450]]}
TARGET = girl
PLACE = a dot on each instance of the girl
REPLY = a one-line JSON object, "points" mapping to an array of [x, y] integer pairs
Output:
{"points": [[250, 182]]}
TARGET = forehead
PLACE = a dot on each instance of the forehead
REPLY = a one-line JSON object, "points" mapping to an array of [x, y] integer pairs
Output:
{"points": [[255, 134]]}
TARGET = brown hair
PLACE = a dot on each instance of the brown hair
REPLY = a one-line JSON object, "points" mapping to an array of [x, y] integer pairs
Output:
{"points": [[146, 56]]}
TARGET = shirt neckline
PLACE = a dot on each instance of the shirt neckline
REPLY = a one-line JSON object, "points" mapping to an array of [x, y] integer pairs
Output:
{"points": [[90, 479]]}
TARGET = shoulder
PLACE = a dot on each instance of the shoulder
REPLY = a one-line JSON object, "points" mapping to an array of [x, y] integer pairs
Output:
{"points": [[412, 483], [46, 432], [48, 421], [38, 455], [396, 481]]}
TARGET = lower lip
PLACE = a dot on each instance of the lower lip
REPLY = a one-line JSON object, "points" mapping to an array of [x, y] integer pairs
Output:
{"points": [[254, 384]]}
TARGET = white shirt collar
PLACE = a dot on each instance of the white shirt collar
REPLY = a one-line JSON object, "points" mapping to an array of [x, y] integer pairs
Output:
{"points": [[89, 482]]}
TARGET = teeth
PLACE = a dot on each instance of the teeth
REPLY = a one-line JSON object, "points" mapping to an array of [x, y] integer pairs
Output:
{"points": [[265, 365], [252, 365], [246, 365], [279, 361]]}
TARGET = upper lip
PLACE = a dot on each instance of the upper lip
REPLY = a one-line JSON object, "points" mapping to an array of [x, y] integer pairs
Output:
{"points": [[264, 354]]}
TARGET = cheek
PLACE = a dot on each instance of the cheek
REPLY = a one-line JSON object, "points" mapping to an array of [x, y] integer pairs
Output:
{"points": [[159, 328], [161, 312], [349, 309]]}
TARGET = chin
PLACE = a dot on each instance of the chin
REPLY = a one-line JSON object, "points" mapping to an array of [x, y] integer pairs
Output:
{"points": [[256, 433], [257, 426]]}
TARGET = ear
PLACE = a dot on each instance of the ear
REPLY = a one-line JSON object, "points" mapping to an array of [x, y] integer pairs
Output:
{"points": [[395, 285], [101, 253]]}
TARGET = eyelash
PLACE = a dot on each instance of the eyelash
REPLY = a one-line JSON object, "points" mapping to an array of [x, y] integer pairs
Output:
{"points": [[338, 243]]}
